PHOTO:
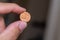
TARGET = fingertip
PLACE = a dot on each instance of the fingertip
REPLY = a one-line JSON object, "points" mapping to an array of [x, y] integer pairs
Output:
{"points": [[22, 25], [23, 9], [19, 9]]}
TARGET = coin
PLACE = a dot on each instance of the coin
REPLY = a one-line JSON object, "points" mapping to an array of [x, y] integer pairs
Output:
{"points": [[25, 16]]}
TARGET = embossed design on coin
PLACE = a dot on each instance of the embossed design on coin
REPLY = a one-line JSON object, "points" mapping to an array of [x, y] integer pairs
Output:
{"points": [[25, 16]]}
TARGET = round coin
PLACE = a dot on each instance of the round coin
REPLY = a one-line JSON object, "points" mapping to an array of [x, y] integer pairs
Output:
{"points": [[25, 16]]}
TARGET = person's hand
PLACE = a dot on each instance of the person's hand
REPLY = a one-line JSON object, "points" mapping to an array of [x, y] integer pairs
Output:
{"points": [[14, 29]]}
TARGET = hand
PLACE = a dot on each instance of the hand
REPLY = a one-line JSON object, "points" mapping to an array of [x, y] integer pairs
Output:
{"points": [[14, 29]]}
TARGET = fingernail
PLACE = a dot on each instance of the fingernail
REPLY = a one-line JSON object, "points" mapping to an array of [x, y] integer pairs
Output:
{"points": [[23, 8], [22, 25]]}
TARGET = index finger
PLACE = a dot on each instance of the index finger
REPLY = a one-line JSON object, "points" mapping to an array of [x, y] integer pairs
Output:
{"points": [[10, 7]]}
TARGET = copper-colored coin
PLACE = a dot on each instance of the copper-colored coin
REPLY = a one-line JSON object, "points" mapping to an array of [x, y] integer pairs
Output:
{"points": [[25, 16]]}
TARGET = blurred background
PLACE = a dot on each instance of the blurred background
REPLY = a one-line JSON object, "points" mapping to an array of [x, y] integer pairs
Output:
{"points": [[44, 25]]}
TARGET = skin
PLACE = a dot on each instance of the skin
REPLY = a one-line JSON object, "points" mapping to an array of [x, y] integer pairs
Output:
{"points": [[14, 29]]}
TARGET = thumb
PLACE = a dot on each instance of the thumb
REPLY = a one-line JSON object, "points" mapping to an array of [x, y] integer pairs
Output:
{"points": [[13, 30]]}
